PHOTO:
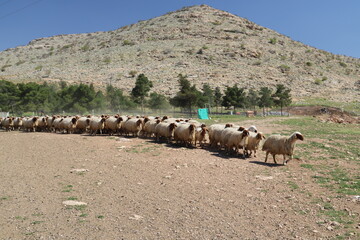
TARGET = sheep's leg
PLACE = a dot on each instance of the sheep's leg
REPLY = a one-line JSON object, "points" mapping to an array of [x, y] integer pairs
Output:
{"points": [[274, 158], [267, 154], [254, 153]]}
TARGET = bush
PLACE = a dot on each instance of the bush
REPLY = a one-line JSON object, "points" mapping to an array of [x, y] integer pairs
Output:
{"points": [[309, 64], [128, 43], [272, 40]]}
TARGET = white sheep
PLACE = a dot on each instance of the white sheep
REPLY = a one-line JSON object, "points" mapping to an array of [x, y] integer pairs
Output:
{"points": [[113, 124], [56, 124], [30, 124], [50, 123], [252, 129], [68, 124], [8, 123], [96, 124], [277, 144], [215, 133], [82, 124], [149, 127], [18, 124], [165, 130], [253, 142], [185, 133], [201, 135], [236, 140], [133, 126], [42, 124]]}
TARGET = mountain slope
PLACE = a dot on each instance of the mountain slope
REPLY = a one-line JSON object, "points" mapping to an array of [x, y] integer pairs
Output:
{"points": [[209, 45]]}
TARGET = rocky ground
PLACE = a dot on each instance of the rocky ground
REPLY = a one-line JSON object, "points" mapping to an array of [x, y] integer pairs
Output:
{"points": [[135, 188]]}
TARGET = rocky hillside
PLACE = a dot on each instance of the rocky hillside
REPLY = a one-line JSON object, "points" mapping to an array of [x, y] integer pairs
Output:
{"points": [[206, 44]]}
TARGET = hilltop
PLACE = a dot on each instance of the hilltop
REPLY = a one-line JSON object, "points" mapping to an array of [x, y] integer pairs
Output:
{"points": [[208, 45]]}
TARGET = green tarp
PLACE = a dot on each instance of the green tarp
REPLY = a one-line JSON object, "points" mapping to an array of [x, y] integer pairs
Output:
{"points": [[203, 113]]}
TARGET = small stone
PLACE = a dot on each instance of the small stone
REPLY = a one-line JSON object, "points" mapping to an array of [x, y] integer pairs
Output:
{"points": [[330, 228], [80, 170], [136, 217], [73, 203], [264, 178]]}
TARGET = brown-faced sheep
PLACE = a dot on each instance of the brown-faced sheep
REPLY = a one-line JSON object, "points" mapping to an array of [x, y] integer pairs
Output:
{"points": [[215, 133], [237, 140], [201, 135], [30, 124], [82, 124], [96, 124], [133, 126], [253, 142], [185, 133], [18, 123], [113, 124], [68, 124], [165, 130], [277, 144], [8, 123], [149, 127]]}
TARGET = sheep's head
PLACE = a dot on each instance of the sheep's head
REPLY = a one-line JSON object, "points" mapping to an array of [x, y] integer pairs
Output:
{"points": [[241, 128], [245, 133], [299, 136], [260, 136], [172, 126], [228, 125]]}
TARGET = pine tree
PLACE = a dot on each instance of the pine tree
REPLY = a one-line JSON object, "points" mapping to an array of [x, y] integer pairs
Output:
{"points": [[265, 99], [281, 97], [141, 89]]}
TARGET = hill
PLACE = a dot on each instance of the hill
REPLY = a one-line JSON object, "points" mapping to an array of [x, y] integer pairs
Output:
{"points": [[208, 45]]}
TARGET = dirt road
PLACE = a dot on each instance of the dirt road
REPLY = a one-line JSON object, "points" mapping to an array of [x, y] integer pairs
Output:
{"points": [[137, 189]]}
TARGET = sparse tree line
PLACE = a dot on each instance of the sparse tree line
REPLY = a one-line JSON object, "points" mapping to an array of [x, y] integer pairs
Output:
{"points": [[81, 98]]}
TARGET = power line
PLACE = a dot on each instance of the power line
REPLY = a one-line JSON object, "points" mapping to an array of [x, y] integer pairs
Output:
{"points": [[20, 9]]}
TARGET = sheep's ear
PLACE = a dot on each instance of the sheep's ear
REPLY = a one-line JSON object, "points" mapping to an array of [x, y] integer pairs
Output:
{"points": [[241, 128], [158, 121], [227, 125], [300, 137], [246, 132], [263, 137]]}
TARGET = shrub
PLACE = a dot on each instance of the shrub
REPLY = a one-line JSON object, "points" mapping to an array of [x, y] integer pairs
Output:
{"points": [[309, 64], [272, 40], [318, 81], [284, 68], [343, 64], [128, 43], [132, 73], [38, 68]]}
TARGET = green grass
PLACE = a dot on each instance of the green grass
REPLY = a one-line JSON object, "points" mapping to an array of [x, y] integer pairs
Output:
{"points": [[72, 198], [68, 188], [352, 107], [84, 215], [4, 198], [36, 222], [100, 217], [293, 185]]}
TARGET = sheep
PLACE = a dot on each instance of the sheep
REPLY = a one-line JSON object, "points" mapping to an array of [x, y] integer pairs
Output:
{"points": [[50, 123], [8, 123], [252, 129], [185, 133], [82, 124], [96, 124], [113, 124], [133, 126], [30, 124], [201, 134], [68, 124], [225, 132], [149, 127], [277, 144], [215, 133], [237, 139], [18, 123], [56, 124], [253, 142], [42, 124], [165, 130]]}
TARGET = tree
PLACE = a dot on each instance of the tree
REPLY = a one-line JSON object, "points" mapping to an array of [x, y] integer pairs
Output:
{"points": [[217, 98], [141, 89], [208, 95], [281, 97], [265, 99], [253, 98], [188, 96], [158, 102], [234, 97]]}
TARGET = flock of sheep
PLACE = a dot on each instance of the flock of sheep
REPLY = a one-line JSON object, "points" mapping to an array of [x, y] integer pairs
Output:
{"points": [[188, 132]]}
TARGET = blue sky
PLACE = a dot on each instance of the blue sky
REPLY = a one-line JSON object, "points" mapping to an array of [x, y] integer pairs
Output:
{"points": [[330, 25]]}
